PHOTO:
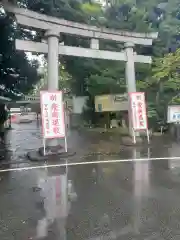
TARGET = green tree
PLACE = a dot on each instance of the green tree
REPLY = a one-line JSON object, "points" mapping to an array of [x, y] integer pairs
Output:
{"points": [[17, 73], [166, 78]]}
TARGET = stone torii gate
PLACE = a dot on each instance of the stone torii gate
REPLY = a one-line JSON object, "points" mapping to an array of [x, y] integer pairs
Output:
{"points": [[53, 28]]}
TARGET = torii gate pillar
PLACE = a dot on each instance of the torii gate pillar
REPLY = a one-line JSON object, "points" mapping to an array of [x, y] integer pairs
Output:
{"points": [[53, 67], [130, 68], [130, 77], [53, 59]]}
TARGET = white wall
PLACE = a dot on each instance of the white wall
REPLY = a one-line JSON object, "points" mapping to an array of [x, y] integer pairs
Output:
{"points": [[79, 103]]}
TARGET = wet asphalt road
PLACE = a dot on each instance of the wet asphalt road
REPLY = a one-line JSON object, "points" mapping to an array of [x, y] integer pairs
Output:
{"points": [[125, 200]]}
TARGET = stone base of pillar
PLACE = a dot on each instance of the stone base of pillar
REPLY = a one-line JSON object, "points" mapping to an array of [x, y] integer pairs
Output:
{"points": [[51, 150], [128, 141], [35, 156]]}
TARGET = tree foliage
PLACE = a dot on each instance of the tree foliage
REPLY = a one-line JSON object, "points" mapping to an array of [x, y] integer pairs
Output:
{"points": [[17, 73]]}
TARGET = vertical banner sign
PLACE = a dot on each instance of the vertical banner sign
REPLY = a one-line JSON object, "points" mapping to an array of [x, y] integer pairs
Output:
{"points": [[52, 111], [138, 111]]}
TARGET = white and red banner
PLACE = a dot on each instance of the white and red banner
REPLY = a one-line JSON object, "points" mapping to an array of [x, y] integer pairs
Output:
{"points": [[138, 111], [52, 111]]}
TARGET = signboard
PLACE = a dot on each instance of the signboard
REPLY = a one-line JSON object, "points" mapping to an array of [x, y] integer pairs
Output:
{"points": [[138, 111], [173, 115], [111, 103], [52, 112]]}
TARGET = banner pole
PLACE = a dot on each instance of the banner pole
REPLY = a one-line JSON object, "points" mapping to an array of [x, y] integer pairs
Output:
{"points": [[147, 131], [65, 137], [65, 141], [44, 146], [149, 153], [134, 136]]}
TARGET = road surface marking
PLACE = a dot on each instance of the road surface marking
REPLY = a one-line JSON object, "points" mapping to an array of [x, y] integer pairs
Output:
{"points": [[87, 163]]}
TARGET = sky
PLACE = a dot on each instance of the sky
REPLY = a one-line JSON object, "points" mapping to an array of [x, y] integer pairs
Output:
{"points": [[32, 57]]}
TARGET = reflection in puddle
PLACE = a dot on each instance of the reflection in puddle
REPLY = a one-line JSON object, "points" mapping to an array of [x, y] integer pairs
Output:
{"points": [[115, 201], [174, 151], [57, 194], [141, 188]]}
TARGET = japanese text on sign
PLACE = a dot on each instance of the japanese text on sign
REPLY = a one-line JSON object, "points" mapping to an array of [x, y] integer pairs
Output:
{"points": [[52, 114], [138, 111]]}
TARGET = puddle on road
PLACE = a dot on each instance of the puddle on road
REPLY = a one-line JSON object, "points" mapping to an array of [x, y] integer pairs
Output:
{"points": [[88, 202]]}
